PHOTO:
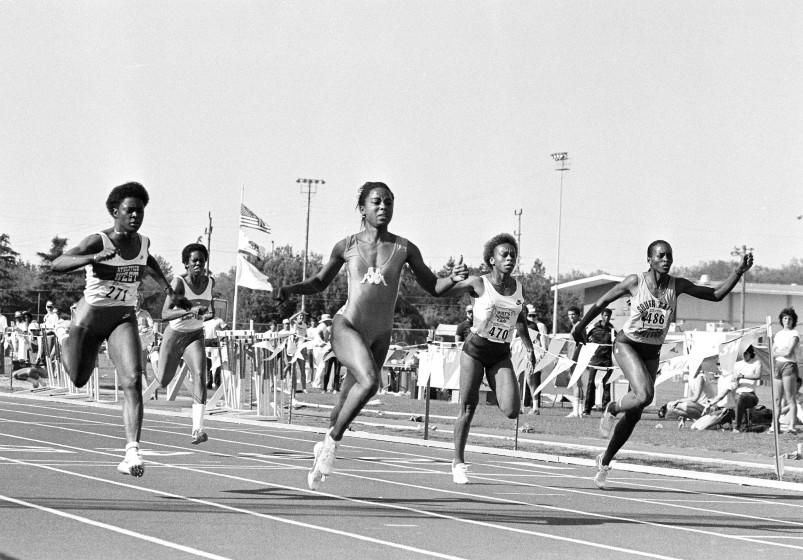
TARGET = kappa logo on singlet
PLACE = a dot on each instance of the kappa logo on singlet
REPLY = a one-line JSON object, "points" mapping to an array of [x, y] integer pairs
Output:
{"points": [[373, 276]]}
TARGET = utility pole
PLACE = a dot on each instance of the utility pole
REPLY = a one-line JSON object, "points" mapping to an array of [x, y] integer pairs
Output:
{"points": [[308, 187], [741, 252], [208, 233], [517, 213], [561, 160]]}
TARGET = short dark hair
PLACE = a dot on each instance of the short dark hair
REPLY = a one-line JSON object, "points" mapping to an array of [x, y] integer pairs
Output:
{"points": [[575, 309], [606, 311], [122, 192], [494, 242], [362, 192], [750, 350], [188, 250], [652, 246], [788, 312]]}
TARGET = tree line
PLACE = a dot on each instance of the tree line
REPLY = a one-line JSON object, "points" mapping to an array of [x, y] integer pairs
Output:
{"points": [[26, 286]]}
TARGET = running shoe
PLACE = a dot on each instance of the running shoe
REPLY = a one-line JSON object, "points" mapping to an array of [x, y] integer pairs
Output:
{"points": [[325, 457], [573, 414], [601, 478], [459, 472], [315, 476], [199, 436], [607, 422], [133, 463]]}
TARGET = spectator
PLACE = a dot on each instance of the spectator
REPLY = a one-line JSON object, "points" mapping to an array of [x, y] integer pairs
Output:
{"points": [[574, 315], [49, 322], [20, 341], [739, 388], [211, 328], [463, 328], [785, 376], [603, 334], [3, 328], [322, 347], [146, 335], [538, 334]]}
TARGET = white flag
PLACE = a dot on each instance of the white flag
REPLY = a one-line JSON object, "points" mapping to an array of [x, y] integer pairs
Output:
{"points": [[245, 245], [249, 276]]}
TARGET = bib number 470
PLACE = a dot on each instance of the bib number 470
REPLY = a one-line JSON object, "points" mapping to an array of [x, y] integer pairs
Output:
{"points": [[499, 333]]}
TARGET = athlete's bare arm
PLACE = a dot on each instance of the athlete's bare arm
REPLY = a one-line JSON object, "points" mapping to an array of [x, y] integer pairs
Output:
{"points": [[710, 293], [524, 334], [171, 308], [153, 268], [89, 250], [623, 288], [320, 281], [426, 278]]}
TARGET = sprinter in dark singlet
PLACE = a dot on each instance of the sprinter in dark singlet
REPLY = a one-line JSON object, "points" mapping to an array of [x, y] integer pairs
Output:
{"points": [[184, 336], [116, 259], [499, 312], [374, 258], [653, 298]]}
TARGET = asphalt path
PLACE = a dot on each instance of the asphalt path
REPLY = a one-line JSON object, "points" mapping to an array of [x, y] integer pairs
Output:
{"points": [[243, 495]]}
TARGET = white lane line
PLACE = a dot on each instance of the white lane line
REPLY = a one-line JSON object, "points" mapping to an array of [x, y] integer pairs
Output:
{"points": [[364, 502], [589, 493], [114, 528], [209, 503]]}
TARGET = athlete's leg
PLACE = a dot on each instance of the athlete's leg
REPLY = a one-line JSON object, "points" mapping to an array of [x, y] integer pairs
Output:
{"points": [[79, 353], [363, 365], [126, 355], [502, 380], [533, 381], [778, 394], [195, 359], [641, 376], [170, 353], [471, 373]]}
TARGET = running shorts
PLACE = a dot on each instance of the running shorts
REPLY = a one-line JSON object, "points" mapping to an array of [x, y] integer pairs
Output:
{"points": [[485, 351], [174, 343], [101, 321], [785, 369], [646, 352]]}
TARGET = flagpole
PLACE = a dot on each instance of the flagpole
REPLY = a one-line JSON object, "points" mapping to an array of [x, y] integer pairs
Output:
{"points": [[237, 259]]}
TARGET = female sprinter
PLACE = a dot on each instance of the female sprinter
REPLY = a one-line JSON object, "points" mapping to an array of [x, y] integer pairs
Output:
{"points": [[115, 260], [361, 329], [653, 297], [184, 336], [498, 304]]}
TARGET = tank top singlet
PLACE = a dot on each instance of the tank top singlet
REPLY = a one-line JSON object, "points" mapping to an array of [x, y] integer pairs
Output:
{"points": [[650, 316], [114, 282], [372, 290], [192, 323], [495, 315]]}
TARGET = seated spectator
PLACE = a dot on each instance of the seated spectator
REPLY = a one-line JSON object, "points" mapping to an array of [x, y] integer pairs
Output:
{"points": [[701, 388]]}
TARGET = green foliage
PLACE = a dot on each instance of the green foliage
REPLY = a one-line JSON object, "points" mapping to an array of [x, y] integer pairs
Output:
{"points": [[63, 289]]}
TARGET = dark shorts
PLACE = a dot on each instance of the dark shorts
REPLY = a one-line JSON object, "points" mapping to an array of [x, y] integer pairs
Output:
{"points": [[646, 352], [101, 321], [174, 343], [785, 369], [484, 351]]}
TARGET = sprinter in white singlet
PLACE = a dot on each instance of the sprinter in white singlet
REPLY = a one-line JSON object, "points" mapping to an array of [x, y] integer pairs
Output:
{"points": [[115, 260], [653, 299], [499, 312], [184, 336], [361, 329]]}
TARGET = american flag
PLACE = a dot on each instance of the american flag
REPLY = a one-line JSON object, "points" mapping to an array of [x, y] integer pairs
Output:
{"points": [[250, 220]]}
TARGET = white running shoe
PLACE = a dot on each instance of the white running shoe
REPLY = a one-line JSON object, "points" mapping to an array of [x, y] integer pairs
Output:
{"points": [[326, 455], [199, 436], [601, 478], [607, 422], [459, 473], [315, 476], [133, 463]]}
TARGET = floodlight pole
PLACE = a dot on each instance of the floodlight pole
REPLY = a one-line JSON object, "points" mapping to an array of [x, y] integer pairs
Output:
{"points": [[517, 213], [562, 165], [308, 187], [740, 252]]}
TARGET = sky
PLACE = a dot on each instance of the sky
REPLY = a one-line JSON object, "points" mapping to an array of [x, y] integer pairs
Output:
{"points": [[682, 121]]}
